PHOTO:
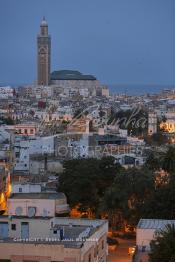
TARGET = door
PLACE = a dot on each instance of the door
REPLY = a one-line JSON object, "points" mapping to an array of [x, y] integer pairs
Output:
{"points": [[24, 230], [3, 230]]}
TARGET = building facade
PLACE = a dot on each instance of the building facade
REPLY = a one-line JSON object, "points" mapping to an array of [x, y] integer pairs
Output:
{"points": [[152, 123], [53, 239]]}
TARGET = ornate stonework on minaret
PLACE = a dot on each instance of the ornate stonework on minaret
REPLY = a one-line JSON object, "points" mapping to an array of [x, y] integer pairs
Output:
{"points": [[44, 50]]}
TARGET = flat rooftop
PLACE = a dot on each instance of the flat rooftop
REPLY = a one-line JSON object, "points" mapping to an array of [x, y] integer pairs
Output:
{"points": [[154, 223], [75, 232], [41, 195]]}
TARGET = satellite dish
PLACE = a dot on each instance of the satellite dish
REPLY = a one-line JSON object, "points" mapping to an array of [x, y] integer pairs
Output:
{"points": [[18, 211], [31, 211]]}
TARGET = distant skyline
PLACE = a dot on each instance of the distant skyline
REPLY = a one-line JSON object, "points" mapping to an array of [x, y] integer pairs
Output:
{"points": [[119, 41]]}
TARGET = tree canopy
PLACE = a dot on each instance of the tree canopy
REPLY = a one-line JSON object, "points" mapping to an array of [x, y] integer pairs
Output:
{"points": [[163, 246]]}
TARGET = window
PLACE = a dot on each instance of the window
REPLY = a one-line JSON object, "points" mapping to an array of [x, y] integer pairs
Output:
{"points": [[25, 131], [17, 154], [13, 226], [55, 231], [31, 131], [20, 190]]}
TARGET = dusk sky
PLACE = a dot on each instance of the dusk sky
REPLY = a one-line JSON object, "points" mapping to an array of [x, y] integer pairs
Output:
{"points": [[118, 41]]}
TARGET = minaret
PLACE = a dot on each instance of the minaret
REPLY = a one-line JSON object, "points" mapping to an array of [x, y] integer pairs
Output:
{"points": [[44, 50]]}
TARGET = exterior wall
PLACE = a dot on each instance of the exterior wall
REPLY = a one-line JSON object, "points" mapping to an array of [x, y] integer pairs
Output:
{"points": [[77, 83], [37, 227], [16, 249], [26, 188], [144, 237], [20, 250], [21, 154], [28, 130], [26, 147], [152, 123], [6, 91], [37, 166], [61, 206], [80, 148], [98, 250], [30, 258], [42, 206], [42, 145], [105, 91], [4, 135]]}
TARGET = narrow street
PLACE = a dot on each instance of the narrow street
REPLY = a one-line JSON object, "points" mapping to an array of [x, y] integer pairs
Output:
{"points": [[121, 254]]}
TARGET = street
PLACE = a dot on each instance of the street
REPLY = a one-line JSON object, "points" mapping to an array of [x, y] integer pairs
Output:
{"points": [[121, 254]]}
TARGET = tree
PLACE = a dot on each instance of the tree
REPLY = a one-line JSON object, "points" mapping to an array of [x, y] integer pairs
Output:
{"points": [[163, 198], [169, 160], [84, 181], [163, 246], [153, 162], [139, 184], [114, 205], [125, 199]]}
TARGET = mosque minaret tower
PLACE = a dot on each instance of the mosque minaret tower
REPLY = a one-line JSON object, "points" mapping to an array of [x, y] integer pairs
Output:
{"points": [[43, 54]]}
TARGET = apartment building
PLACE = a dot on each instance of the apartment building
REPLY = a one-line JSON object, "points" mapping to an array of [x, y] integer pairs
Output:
{"points": [[53, 239]]}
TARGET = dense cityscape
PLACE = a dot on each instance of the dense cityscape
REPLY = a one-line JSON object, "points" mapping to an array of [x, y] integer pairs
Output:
{"points": [[86, 174]]}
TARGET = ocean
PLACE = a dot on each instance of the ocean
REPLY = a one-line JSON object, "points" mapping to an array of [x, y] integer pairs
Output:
{"points": [[138, 89]]}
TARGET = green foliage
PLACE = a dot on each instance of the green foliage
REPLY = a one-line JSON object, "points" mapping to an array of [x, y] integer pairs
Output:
{"points": [[153, 162], [124, 199], [163, 246], [157, 139], [169, 160], [122, 196], [84, 181], [161, 203]]}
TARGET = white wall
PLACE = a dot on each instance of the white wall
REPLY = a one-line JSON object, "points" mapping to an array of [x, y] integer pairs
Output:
{"points": [[26, 188], [144, 237], [42, 206]]}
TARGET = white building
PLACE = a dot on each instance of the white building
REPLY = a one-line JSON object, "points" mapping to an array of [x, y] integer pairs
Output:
{"points": [[6, 92], [53, 239], [152, 123], [146, 230], [26, 188], [37, 204], [79, 148], [24, 147], [4, 135]]}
